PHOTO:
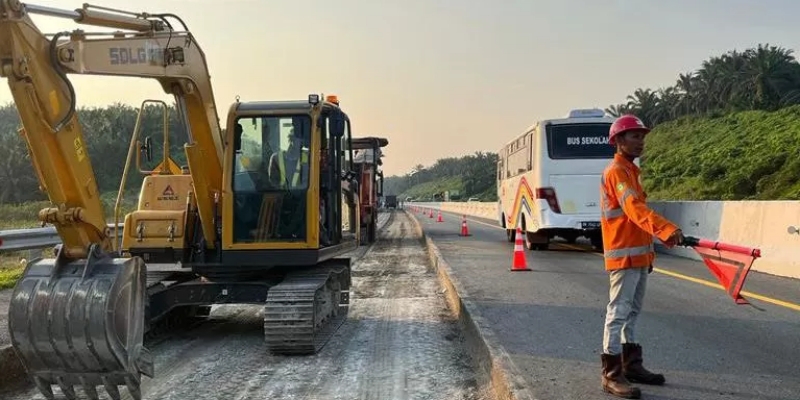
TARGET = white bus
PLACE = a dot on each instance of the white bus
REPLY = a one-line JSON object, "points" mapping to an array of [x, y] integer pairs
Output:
{"points": [[548, 179]]}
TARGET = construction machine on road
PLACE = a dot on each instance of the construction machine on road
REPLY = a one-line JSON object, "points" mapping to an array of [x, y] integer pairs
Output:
{"points": [[264, 212], [367, 160]]}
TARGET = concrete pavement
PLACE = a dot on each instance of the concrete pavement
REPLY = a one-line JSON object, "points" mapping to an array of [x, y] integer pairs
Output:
{"points": [[550, 320]]}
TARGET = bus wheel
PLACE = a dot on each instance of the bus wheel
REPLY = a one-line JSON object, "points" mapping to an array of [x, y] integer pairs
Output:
{"points": [[537, 241], [511, 235]]}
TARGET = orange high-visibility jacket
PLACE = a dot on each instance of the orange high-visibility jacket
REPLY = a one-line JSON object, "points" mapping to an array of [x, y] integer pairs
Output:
{"points": [[628, 224]]}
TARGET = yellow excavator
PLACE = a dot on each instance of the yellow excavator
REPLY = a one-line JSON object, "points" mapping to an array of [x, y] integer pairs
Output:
{"points": [[264, 212]]}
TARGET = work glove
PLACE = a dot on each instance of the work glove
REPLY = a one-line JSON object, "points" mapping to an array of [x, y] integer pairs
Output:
{"points": [[676, 239]]}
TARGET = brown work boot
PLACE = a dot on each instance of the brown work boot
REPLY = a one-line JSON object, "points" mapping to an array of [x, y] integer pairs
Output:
{"points": [[614, 381], [634, 370]]}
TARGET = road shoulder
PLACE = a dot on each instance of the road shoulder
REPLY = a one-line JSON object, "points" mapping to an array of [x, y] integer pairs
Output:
{"points": [[12, 373], [493, 361]]}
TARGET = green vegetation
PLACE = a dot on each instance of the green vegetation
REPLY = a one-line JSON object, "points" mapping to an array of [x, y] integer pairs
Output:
{"points": [[23, 215], [107, 131], [761, 78], [9, 273], [464, 177], [728, 131], [748, 155]]}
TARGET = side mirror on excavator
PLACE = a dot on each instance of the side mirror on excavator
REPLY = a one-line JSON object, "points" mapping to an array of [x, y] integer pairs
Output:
{"points": [[167, 166], [336, 124], [147, 149], [380, 186]]}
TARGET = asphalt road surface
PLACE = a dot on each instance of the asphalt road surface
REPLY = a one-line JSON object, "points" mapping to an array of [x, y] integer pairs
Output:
{"points": [[399, 342], [551, 319]]}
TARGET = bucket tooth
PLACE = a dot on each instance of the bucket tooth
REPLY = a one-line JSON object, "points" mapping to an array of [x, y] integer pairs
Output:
{"points": [[112, 389], [67, 389], [90, 390], [44, 388], [81, 323]]}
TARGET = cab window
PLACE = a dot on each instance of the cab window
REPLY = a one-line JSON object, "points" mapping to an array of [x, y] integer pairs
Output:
{"points": [[271, 179]]}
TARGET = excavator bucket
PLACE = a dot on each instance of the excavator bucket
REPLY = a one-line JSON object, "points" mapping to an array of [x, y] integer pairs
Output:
{"points": [[81, 323]]}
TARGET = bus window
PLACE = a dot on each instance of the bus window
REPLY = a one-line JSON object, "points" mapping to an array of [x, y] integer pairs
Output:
{"points": [[577, 141], [500, 169]]}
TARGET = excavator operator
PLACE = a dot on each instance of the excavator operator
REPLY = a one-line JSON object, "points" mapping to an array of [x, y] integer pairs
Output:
{"points": [[292, 164], [289, 170], [289, 167]]}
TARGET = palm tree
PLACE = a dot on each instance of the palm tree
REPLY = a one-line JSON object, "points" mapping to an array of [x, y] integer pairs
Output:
{"points": [[765, 78], [617, 110]]}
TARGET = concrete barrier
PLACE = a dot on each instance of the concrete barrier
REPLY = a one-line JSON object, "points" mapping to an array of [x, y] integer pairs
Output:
{"points": [[760, 224]]}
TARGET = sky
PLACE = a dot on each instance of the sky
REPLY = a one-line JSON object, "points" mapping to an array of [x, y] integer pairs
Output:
{"points": [[442, 78]]}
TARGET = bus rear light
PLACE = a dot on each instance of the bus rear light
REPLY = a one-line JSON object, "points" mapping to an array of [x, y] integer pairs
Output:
{"points": [[549, 194]]}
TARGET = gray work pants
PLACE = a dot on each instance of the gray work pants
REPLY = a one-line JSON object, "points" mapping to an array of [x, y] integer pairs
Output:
{"points": [[626, 294]]}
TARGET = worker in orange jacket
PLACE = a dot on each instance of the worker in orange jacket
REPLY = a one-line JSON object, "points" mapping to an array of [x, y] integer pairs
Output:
{"points": [[628, 226]]}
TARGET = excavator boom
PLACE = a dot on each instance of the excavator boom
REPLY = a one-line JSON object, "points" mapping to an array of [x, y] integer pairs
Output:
{"points": [[78, 319], [37, 68]]}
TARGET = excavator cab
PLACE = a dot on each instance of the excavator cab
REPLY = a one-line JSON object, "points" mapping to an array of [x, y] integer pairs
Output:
{"points": [[290, 177]]}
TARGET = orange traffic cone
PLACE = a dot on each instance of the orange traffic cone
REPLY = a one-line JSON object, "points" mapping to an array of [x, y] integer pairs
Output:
{"points": [[520, 263], [439, 219], [464, 228], [430, 213]]}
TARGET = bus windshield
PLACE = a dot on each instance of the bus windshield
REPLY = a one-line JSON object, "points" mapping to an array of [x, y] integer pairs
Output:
{"points": [[576, 141]]}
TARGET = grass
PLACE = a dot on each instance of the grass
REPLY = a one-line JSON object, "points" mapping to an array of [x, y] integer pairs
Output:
{"points": [[9, 272], [749, 155], [16, 216], [22, 216], [428, 189]]}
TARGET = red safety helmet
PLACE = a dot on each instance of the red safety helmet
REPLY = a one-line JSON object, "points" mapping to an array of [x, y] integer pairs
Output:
{"points": [[627, 122]]}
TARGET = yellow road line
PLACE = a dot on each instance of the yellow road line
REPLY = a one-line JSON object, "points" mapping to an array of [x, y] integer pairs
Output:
{"points": [[791, 306], [766, 299]]}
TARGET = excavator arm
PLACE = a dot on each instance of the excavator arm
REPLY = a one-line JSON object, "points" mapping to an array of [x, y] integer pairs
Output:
{"points": [[36, 68], [78, 319]]}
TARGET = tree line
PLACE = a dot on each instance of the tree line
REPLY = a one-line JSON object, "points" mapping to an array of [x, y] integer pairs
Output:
{"points": [[107, 132], [475, 172], [761, 78]]}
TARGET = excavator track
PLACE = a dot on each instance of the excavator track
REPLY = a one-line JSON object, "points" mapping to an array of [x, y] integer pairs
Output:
{"points": [[304, 311]]}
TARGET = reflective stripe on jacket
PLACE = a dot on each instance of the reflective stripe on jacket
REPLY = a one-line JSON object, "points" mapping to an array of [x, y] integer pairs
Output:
{"points": [[298, 166], [628, 224]]}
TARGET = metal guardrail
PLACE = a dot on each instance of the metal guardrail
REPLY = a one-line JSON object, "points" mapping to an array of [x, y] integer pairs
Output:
{"points": [[12, 240]]}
